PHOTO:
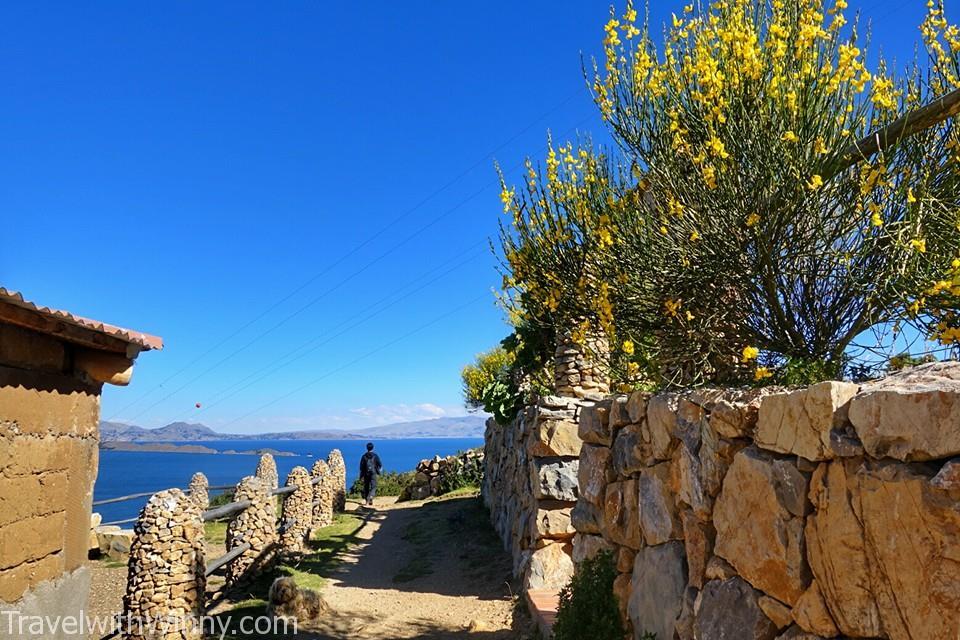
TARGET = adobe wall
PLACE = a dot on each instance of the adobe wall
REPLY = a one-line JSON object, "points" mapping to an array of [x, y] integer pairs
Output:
{"points": [[48, 464], [824, 512]]}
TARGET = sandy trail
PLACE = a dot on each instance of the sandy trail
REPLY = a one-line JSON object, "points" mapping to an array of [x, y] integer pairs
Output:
{"points": [[419, 571]]}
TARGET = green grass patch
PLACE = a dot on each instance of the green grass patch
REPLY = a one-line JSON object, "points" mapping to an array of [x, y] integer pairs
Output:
{"points": [[310, 571], [215, 532]]}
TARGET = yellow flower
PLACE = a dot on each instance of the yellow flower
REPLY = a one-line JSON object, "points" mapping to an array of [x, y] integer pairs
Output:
{"points": [[633, 368], [663, 229], [819, 147], [753, 220], [750, 353], [910, 197], [920, 244], [876, 220], [790, 136], [694, 236], [762, 373], [671, 307], [815, 182], [628, 347], [506, 197], [690, 316]]}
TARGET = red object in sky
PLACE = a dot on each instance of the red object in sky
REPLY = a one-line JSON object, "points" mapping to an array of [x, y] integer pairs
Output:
{"points": [[198, 405]]}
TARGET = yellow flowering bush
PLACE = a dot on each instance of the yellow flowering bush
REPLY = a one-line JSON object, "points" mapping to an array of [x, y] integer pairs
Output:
{"points": [[559, 245], [760, 220]]}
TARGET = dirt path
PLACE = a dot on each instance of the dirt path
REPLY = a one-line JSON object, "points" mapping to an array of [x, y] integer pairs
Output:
{"points": [[429, 570]]}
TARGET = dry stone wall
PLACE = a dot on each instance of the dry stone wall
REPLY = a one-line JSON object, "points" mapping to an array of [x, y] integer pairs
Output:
{"points": [[530, 487], [434, 474], [339, 470], [267, 471], [165, 581], [257, 524], [297, 512], [824, 512], [322, 494], [199, 490]]}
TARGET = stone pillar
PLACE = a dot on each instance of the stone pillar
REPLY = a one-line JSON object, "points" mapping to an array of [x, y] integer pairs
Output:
{"points": [[257, 524], [199, 490], [165, 575], [322, 494], [267, 471], [581, 369], [297, 512], [339, 471]]}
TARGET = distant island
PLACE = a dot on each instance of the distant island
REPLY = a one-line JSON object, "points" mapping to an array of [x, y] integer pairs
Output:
{"points": [[169, 447], [458, 427]]}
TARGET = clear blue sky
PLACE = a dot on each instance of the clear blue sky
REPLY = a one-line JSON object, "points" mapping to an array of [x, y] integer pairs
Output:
{"points": [[229, 176]]}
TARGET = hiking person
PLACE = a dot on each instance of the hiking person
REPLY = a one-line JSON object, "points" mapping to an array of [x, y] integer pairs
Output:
{"points": [[370, 467]]}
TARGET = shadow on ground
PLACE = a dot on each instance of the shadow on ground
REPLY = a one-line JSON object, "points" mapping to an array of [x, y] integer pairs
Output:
{"points": [[443, 547]]}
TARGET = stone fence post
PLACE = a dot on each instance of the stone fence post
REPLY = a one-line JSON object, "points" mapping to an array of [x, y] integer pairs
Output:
{"points": [[267, 471], [339, 471], [165, 574], [297, 512], [199, 490], [322, 494], [257, 524]]}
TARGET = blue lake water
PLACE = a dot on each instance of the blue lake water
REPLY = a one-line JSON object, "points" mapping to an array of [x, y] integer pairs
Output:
{"points": [[125, 472]]}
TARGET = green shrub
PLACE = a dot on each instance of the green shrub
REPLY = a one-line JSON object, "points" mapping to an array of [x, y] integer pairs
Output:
{"points": [[588, 607], [464, 474], [221, 499], [391, 483]]}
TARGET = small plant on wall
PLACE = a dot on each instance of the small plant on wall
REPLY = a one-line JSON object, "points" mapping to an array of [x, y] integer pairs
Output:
{"points": [[588, 606]]}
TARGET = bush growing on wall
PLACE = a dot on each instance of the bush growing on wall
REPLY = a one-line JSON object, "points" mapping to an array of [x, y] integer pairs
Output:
{"points": [[769, 227], [588, 607]]}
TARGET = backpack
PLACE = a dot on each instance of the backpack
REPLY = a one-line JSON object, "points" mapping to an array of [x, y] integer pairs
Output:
{"points": [[369, 464]]}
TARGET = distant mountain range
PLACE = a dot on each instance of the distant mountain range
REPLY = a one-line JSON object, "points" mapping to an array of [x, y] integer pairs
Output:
{"points": [[459, 427]]}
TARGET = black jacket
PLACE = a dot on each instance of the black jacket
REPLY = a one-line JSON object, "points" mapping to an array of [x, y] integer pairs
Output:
{"points": [[377, 466]]}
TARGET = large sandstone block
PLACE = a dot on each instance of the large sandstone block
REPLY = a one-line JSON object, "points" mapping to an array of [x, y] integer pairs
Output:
{"points": [[660, 428], [657, 590], [812, 615], [552, 521], [586, 547], [595, 423], [630, 453], [884, 549], [657, 508], [800, 422], [586, 517], [734, 414], [621, 514], [637, 406], [759, 518], [550, 567], [554, 437], [698, 541], [731, 609], [594, 473], [911, 415], [554, 479]]}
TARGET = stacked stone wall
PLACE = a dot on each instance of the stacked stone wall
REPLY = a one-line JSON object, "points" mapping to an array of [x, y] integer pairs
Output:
{"points": [[267, 471], [824, 512], [530, 488], [257, 525], [165, 581], [199, 490], [322, 494], [433, 474], [339, 471]]}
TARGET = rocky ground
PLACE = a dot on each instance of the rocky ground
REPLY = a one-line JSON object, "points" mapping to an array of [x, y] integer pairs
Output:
{"points": [[431, 569]]}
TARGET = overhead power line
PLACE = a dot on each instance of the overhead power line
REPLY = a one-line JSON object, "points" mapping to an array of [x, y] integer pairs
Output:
{"points": [[344, 257]]}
